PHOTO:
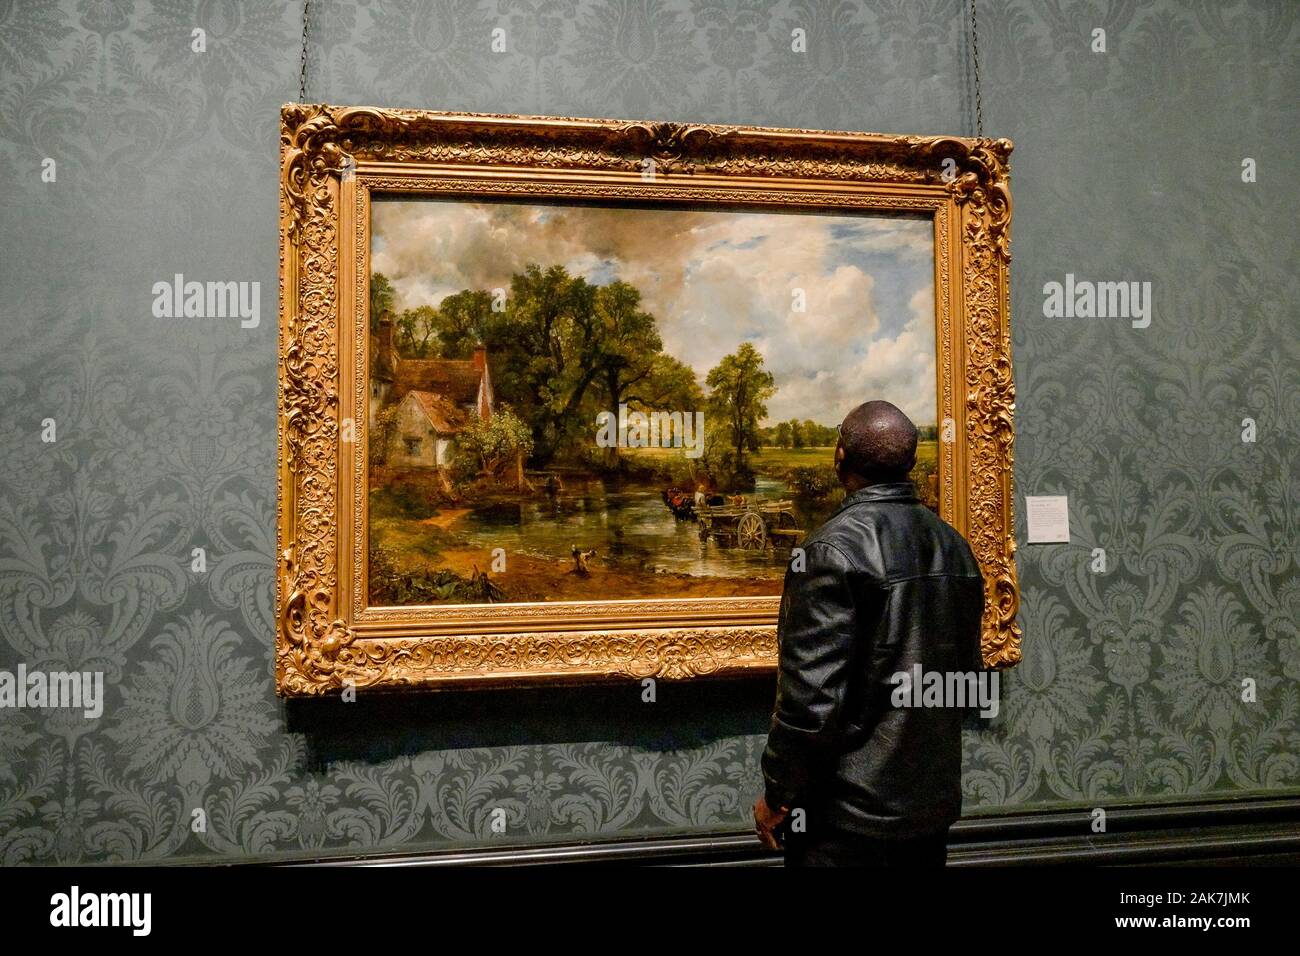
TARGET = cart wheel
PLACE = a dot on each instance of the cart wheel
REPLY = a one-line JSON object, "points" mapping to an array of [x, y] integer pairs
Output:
{"points": [[750, 533]]}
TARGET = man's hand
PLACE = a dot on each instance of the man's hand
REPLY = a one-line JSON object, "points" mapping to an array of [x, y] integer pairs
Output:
{"points": [[766, 820]]}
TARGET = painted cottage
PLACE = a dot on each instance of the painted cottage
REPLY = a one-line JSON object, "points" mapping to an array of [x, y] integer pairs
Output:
{"points": [[435, 399]]}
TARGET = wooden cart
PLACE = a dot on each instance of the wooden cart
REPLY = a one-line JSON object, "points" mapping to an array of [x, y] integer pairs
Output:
{"points": [[752, 526]]}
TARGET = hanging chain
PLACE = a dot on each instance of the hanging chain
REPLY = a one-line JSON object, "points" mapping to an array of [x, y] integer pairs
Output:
{"points": [[302, 76], [975, 57]]}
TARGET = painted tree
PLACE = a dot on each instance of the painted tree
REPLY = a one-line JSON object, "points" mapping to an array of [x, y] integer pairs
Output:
{"points": [[382, 297], [464, 320], [739, 390], [417, 332], [545, 341], [671, 385], [634, 368], [490, 447], [629, 341]]}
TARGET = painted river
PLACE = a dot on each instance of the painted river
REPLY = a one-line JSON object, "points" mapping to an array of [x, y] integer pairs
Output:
{"points": [[629, 526]]}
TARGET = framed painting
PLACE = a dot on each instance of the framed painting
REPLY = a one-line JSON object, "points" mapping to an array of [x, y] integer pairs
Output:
{"points": [[559, 397]]}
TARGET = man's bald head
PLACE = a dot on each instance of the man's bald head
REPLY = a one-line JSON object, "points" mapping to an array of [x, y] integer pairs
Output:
{"points": [[879, 443]]}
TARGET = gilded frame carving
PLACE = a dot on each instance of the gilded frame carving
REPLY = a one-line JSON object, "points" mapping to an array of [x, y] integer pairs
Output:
{"points": [[333, 158]]}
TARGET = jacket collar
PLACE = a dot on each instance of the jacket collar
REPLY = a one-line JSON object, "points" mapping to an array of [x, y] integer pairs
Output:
{"points": [[902, 492]]}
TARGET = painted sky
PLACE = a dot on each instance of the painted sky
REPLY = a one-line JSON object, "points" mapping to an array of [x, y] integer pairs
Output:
{"points": [[712, 279]]}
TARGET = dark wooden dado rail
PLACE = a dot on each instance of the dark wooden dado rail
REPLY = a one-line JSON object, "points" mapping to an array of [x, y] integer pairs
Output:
{"points": [[1213, 833]]}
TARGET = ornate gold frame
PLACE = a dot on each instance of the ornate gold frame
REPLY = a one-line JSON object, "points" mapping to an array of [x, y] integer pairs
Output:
{"points": [[332, 158]]}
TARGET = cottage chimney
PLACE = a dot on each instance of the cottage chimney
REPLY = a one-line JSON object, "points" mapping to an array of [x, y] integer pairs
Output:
{"points": [[485, 400]]}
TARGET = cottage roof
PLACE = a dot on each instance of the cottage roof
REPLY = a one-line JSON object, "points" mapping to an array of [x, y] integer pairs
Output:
{"points": [[445, 416], [456, 379]]}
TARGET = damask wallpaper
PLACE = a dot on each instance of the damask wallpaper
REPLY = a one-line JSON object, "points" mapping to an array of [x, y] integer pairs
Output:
{"points": [[1160, 150]]}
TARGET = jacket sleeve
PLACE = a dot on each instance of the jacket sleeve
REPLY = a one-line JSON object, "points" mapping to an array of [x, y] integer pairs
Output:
{"points": [[817, 633]]}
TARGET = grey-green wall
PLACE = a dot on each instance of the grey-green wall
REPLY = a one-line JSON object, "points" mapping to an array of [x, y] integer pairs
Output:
{"points": [[1127, 167]]}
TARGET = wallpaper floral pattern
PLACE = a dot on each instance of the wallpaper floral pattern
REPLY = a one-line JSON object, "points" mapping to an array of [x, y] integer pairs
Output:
{"points": [[1127, 167]]}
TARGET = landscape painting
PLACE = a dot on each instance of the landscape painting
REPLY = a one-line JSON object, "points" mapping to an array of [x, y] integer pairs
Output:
{"points": [[558, 397], [577, 402]]}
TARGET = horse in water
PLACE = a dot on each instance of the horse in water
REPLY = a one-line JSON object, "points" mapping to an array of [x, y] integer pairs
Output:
{"points": [[679, 502]]}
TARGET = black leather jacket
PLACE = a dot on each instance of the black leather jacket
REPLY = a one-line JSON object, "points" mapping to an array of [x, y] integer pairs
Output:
{"points": [[886, 585]]}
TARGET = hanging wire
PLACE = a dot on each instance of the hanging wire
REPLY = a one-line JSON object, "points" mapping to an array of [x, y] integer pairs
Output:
{"points": [[975, 57], [302, 76]]}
